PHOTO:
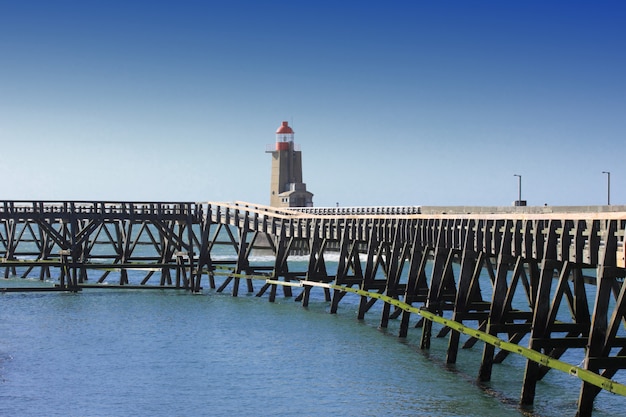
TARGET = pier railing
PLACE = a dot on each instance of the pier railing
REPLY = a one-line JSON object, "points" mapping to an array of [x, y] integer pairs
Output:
{"points": [[9, 209]]}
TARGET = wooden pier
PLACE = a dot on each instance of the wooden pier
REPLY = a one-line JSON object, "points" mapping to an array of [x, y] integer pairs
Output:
{"points": [[422, 262]]}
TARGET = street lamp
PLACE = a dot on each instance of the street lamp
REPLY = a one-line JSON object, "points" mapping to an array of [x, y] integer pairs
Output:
{"points": [[519, 190], [608, 187]]}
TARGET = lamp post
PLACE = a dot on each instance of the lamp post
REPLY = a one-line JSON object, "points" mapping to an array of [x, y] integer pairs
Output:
{"points": [[519, 189], [608, 187]]}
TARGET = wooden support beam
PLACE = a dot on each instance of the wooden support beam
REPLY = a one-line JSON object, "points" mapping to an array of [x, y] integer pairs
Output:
{"points": [[468, 275], [599, 343], [542, 311], [440, 265]]}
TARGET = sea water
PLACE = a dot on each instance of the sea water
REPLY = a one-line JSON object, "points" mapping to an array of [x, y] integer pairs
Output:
{"points": [[172, 353]]}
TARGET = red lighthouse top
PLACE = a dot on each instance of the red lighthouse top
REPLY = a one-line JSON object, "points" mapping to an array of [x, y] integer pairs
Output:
{"points": [[284, 129], [284, 137]]}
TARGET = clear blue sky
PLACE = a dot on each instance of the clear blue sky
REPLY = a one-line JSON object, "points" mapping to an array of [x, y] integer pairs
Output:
{"points": [[405, 102]]}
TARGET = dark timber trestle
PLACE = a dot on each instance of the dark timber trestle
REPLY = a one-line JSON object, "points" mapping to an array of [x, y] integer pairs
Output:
{"points": [[555, 279]]}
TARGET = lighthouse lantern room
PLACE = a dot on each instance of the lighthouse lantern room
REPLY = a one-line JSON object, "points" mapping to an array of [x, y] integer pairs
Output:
{"points": [[284, 137]]}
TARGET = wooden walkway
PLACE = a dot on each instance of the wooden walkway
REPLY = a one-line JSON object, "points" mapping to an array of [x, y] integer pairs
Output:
{"points": [[539, 264]]}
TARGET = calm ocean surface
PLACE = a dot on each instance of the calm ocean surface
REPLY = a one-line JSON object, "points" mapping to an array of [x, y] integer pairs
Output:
{"points": [[170, 353]]}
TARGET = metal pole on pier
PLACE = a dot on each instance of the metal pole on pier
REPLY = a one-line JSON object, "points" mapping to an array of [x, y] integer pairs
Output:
{"points": [[608, 187]]}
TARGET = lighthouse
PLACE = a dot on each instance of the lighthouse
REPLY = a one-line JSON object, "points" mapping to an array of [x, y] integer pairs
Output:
{"points": [[287, 188]]}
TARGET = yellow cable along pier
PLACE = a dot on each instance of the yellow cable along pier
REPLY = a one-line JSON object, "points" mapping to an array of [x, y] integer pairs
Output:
{"points": [[582, 374]]}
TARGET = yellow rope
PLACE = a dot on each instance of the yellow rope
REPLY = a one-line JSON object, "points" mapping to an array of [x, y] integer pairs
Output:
{"points": [[582, 374]]}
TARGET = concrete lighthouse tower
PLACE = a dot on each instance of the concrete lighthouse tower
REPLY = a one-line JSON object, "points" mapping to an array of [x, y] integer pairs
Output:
{"points": [[287, 188]]}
